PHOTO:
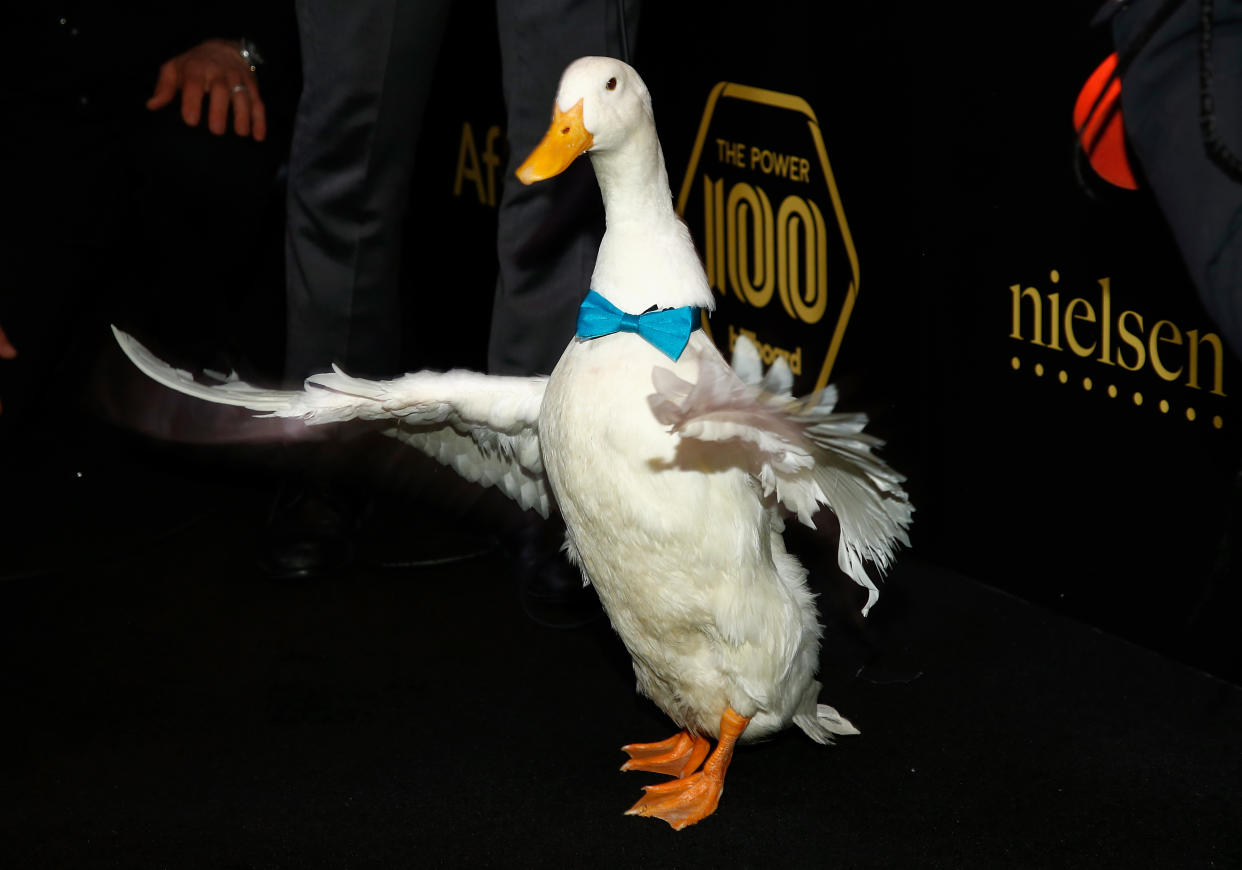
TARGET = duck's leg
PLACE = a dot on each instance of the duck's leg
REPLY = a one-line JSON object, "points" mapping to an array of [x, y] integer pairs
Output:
{"points": [[678, 756], [683, 802]]}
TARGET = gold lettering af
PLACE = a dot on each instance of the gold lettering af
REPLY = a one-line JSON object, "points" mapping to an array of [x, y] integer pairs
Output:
{"points": [[470, 168], [1088, 325]]}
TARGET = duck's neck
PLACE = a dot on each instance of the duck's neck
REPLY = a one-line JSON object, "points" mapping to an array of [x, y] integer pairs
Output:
{"points": [[633, 180], [647, 258]]}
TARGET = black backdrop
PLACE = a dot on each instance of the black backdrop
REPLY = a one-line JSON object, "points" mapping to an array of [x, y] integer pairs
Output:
{"points": [[929, 149], [164, 690], [1033, 465]]}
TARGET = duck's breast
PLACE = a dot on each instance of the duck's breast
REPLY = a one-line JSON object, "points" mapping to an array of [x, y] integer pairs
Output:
{"points": [[625, 484]]}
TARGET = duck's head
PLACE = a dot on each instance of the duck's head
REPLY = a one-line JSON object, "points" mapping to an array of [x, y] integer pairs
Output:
{"points": [[600, 104]]}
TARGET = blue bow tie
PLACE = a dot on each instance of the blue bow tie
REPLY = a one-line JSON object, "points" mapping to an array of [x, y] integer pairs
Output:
{"points": [[668, 331]]}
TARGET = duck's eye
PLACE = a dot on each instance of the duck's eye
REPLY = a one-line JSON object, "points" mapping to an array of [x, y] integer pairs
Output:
{"points": [[612, 84]]}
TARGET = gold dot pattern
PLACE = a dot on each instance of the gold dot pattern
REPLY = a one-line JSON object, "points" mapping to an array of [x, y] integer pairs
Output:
{"points": [[1164, 405]]}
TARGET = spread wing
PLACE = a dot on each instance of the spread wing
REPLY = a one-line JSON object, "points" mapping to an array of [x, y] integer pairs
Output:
{"points": [[802, 452], [482, 426]]}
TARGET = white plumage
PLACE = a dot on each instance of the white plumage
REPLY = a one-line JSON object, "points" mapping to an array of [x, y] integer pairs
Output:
{"points": [[672, 476]]}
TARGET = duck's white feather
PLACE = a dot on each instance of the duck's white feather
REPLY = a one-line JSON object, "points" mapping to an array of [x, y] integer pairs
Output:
{"points": [[485, 428], [798, 450]]}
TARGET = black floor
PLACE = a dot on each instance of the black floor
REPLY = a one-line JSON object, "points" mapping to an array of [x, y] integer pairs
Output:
{"points": [[168, 706]]}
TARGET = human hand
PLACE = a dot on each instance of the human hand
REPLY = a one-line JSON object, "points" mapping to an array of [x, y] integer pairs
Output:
{"points": [[214, 69], [7, 351]]}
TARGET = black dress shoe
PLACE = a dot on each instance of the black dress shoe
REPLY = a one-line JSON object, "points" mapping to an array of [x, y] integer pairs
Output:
{"points": [[310, 532], [551, 590], [317, 528], [397, 534]]}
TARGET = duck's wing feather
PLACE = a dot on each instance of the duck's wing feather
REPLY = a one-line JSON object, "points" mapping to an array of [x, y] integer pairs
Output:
{"points": [[801, 452], [484, 427]]}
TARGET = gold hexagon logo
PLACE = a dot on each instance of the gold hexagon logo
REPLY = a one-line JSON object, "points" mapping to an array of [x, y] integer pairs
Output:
{"points": [[760, 195]]}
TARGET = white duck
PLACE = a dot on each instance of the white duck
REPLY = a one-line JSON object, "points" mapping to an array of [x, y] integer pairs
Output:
{"points": [[673, 499]]}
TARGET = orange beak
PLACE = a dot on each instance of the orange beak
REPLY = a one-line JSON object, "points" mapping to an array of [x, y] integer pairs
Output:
{"points": [[565, 140]]}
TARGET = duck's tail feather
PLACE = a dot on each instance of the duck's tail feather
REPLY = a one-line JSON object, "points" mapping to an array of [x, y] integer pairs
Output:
{"points": [[819, 721]]}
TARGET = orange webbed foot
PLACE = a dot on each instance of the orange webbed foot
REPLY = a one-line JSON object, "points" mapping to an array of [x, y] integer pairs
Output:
{"points": [[679, 755], [694, 796], [681, 802]]}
